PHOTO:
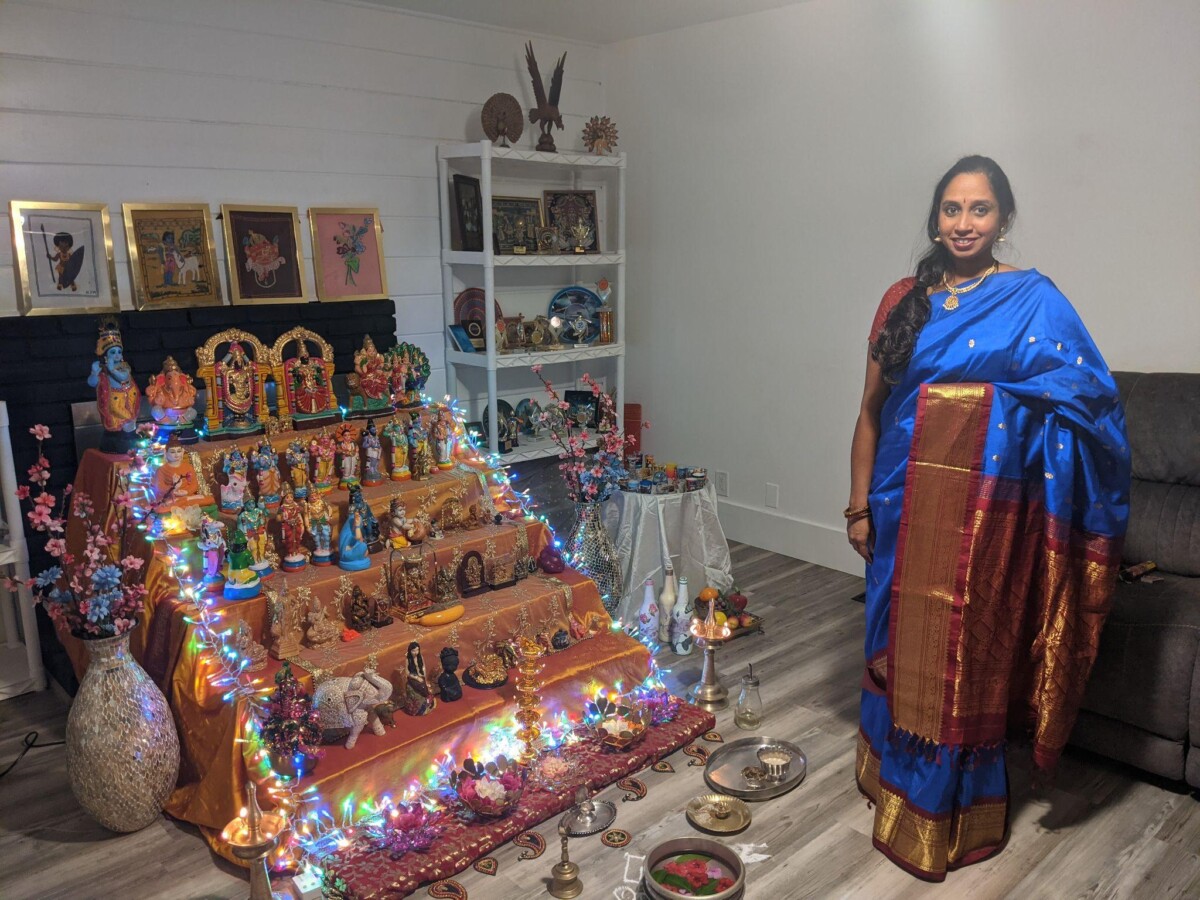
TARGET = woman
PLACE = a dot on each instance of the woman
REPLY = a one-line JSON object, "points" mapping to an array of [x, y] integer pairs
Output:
{"points": [[989, 495], [418, 699]]}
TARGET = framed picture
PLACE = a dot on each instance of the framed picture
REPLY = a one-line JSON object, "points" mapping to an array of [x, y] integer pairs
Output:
{"points": [[583, 408], [172, 261], [63, 258], [574, 214], [347, 248], [515, 224], [462, 340], [468, 206], [262, 252]]}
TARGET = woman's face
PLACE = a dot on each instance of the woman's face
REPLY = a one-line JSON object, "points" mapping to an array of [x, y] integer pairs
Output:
{"points": [[969, 219]]}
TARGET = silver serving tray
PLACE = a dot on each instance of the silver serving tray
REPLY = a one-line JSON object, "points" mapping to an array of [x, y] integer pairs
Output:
{"points": [[724, 770]]}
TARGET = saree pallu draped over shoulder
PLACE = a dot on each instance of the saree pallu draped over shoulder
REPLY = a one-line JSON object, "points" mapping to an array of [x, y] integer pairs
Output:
{"points": [[999, 499]]}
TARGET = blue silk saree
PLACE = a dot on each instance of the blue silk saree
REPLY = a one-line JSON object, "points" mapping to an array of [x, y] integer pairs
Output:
{"points": [[999, 500]]}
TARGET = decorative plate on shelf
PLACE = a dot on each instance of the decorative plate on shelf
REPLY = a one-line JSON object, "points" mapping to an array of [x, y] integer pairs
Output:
{"points": [[577, 307], [472, 304], [505, 411]]}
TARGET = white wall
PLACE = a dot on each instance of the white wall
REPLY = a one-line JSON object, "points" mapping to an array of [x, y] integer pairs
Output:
{"points": [[781, 167], [292, 102]]}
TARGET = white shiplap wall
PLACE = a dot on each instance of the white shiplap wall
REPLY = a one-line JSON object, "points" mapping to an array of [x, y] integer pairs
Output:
{"points": [[292, 102]]}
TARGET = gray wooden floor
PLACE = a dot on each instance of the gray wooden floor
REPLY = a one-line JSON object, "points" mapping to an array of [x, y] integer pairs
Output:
{"points": [[1101, 831]]}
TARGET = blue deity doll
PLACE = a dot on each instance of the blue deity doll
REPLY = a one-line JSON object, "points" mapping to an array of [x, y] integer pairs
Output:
{"points": [[372, 450], [266, 472], [352, 542], [297, 461], [235, 467]]}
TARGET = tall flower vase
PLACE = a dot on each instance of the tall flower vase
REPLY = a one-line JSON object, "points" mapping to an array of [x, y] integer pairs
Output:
{"points": [[122, 749], [592, 553]]}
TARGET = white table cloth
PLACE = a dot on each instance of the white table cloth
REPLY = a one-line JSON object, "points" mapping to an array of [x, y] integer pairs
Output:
{"points": [[646, 528]]}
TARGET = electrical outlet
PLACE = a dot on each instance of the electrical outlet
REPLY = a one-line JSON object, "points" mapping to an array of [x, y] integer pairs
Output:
{"points": [[721, 483], [772, 496]]}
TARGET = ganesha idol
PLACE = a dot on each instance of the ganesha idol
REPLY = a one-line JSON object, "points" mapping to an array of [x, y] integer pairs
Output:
{"points": [[172, 399], [236, 397]]}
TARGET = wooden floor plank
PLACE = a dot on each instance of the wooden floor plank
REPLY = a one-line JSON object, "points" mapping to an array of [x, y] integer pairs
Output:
{"points": [[1101, 831]]}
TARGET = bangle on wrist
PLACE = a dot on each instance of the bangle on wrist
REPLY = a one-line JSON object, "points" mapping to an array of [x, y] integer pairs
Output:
{"points": [[860, 512]]}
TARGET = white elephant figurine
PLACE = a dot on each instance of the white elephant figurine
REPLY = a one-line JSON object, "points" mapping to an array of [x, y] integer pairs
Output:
{"points": [[347, 705]]}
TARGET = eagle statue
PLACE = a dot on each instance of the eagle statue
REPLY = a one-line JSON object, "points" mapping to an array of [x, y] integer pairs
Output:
{"points": [[546, 112]]}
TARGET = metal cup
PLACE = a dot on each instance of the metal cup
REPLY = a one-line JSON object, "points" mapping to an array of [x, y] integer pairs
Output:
{"points": [[775, 760]]}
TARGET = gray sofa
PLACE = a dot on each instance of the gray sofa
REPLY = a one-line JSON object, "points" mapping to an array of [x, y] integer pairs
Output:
{"points": [[1143, 701]]}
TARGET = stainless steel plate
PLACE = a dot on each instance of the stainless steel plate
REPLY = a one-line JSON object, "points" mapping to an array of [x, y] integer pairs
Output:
{"points": [[724, 770]]}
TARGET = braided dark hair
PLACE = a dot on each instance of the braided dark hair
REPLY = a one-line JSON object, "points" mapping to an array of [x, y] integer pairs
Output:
{"points": [[894, 348]]}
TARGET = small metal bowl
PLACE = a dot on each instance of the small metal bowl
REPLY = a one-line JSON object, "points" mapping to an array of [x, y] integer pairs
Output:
{"points": [[674, 847], [775, 761]]}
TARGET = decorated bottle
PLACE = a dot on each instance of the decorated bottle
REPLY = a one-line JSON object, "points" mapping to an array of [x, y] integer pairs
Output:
{"points": [[666, 603], [647, 616], [681, 621]]}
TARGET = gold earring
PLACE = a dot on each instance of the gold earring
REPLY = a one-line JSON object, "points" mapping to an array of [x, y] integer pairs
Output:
{"points": [[1001, 239]]}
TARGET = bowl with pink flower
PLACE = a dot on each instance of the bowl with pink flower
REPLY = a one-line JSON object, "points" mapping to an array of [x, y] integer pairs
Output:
{"points": [[490, 789], [694, 867]]}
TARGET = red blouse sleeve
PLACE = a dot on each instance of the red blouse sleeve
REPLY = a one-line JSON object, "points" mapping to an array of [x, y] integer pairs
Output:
{"points": [[890, 298]]}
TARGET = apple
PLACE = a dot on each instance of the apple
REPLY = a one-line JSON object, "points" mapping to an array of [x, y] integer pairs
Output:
{"points": [[738, 599]]}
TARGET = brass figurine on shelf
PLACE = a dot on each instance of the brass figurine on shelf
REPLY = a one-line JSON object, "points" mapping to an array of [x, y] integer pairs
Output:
{"points": [[381, 616], [360, 610], [470, 574], [287, 626], [407, 577], [502, 119], [600, 135], [546, 113], [321, 631]]}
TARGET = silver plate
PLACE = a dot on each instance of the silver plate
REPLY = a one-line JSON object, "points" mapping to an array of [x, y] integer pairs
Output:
{"points": [[724, 770]]}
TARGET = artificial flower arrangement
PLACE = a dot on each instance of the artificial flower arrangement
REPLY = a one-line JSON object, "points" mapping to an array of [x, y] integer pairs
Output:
{"points": [[589, 477], [616, 725], [408, 827], [490, 790], [99, 594]]}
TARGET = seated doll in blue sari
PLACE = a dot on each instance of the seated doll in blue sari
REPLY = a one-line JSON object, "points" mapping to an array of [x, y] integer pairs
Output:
{"points": [[989, 497]]}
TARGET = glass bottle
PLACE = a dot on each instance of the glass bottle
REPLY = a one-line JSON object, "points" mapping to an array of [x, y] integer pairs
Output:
{"points": [[666, 603], [681, 621], [748, 714], [648, 614]]}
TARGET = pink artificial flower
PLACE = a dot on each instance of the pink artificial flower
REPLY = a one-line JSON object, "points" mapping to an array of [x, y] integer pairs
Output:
{"points": [[39, 517], [537, 369], [595, 389], [41, 432], [23, 492], [67, 491], [564, 405], [56, 525], [124, 500], [132, 563], [11, 584], [44, 499], [56, 547]]}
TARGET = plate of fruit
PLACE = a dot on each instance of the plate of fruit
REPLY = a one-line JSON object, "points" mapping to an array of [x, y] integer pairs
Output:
{"points": [[730, 611]]}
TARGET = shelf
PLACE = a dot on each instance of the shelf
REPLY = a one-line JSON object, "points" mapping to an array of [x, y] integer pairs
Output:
{"points": [[470, 258], [544, 357], [534, 448], [571, 158]]}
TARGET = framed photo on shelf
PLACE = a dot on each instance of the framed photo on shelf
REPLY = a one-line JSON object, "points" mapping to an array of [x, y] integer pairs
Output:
{"points": [[583, 408], [263, 254], [575, 216], [515, 224], [347, 248], [172, 260], [468, 209], [460, 338], [63, 258]]}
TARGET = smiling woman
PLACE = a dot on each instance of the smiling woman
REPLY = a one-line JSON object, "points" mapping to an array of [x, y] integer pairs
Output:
{"points": [[989, 495]]}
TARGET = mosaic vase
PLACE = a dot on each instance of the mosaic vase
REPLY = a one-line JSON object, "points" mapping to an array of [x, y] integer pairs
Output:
{"points": [[592, 553], [122, 749]]}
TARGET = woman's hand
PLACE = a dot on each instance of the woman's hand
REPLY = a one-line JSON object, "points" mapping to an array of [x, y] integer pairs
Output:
{"points": [[862, 537]]}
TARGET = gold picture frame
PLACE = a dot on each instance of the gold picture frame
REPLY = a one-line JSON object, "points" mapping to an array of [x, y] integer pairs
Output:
{"points": [[356, 274], [264, 258], [172, 257], [73, 271]]}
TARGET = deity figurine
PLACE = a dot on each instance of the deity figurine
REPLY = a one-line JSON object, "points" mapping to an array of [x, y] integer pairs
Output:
{"points": [[241, 581], [443, 436], [397, 527], [448, 684], [360, 610], [117, 394], [248, 649], [382, 616], [369, 388], [420, 461], [235, 466], [252, 522], [287, 623], [372, 451], [318, 521], [346, 436], [235, 397], [415, 366], [322, 450], [321, 632], [352, 542], [397, 437], [291, 532], [175, 481], [172, 399], [265, 462], [370, 524], [297, 460], [418, 699], [304, 382], [212, 545]]}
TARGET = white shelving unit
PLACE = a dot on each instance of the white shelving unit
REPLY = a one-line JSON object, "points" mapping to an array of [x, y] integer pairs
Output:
{"points": [[537, 170], [20, 653]]}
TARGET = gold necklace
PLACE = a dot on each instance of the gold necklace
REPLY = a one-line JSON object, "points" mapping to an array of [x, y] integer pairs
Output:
{"points": [[951, 302]]}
